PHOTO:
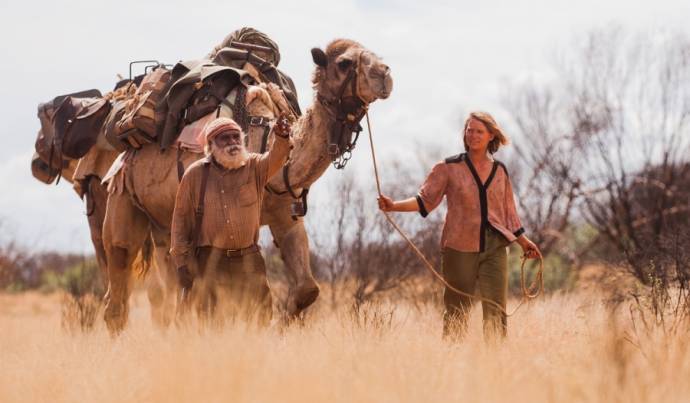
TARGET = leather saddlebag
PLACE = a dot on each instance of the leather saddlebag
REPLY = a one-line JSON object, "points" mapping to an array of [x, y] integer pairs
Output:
{"points": [[41, 171], [77, 124], [45, 142]]}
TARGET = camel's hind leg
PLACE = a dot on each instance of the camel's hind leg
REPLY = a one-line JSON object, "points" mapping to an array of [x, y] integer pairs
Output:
{"points": [[96, 199], [125, 230], [291, 237], [162, 285]]}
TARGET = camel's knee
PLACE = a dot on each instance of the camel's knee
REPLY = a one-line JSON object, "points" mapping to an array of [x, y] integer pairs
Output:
{"points": [[118, 258], [296, 237], [289, 235]]}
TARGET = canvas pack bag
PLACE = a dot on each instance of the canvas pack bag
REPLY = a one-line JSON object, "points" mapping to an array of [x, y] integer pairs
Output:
{"points": [[139, 122], [200, 89]]}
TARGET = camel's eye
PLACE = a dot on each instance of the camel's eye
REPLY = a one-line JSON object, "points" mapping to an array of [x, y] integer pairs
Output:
{"points": [[344, 64]]}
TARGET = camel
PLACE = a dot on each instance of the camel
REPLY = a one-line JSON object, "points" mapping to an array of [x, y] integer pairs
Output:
{"points": [[86, 174], [142, 194]]}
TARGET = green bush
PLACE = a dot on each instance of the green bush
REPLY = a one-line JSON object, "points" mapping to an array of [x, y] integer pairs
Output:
{"points": [[77, 280]]}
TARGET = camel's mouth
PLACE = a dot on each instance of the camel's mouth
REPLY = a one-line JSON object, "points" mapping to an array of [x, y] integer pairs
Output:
{"points": [[386, 88], [380, 82], [380, 85]]}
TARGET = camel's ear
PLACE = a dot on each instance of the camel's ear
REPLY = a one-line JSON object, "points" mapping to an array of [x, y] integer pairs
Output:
{"points": [[319, 57]]}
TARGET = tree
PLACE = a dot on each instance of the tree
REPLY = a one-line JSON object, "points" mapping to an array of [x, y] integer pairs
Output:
{"points": [[610, 136]]}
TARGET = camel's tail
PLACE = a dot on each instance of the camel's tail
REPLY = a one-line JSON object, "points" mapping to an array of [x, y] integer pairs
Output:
{"points": [[142, 263]]}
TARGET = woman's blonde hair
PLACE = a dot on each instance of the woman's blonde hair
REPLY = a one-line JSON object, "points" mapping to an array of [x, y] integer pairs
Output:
{"points": [[500, 139]]}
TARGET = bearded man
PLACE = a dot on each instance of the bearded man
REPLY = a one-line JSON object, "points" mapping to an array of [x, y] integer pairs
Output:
{"points": [[216, 222]]}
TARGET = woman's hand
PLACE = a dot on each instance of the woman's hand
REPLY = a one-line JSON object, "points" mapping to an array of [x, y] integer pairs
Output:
{"points": [[529, 249], [386, 203]]}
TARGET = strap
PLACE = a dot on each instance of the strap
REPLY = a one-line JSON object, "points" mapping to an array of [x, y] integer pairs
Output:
{"points": [[289, 188], [135, 200], [264, 139], [59, 172], [305, 192], [50, 161], [242, 252], [199, 212], [341, 91], [273, 191], [88, 195], [180, 166]]}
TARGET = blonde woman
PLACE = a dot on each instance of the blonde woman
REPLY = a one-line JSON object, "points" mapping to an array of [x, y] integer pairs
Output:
{"points": [[481, 222]]}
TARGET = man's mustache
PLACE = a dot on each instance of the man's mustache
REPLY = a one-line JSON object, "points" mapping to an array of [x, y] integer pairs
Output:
{"points": [[231, 148]]}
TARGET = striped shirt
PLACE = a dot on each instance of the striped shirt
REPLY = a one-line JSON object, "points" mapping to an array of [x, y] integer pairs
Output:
{"points": [[232, 203], [473, 206]]}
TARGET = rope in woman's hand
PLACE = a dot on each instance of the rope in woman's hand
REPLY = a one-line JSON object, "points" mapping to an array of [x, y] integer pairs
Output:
{"points": [[528, 293]]}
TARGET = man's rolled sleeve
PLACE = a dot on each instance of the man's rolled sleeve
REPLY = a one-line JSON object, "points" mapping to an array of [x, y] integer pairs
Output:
{"points": [[271, 161], [433, 189]]}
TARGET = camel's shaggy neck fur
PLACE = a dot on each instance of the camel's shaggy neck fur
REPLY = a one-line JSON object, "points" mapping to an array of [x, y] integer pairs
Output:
{"points": [[310, 157]]}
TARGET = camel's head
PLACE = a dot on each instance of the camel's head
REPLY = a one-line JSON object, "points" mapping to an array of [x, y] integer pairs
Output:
{"points": [[343, 58]]}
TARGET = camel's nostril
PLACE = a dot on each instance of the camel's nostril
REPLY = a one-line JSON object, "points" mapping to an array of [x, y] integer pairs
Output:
{"points": [[387, 86]]}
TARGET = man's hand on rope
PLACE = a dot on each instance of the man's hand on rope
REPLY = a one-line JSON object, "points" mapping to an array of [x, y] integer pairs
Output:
{"points": [[283, 128]]}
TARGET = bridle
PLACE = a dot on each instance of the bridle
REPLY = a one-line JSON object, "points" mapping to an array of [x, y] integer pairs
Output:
{"points": [[348, 111]]}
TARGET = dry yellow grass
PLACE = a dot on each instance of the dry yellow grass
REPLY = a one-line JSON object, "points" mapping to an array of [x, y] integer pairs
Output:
{"points": [[562, 348]]}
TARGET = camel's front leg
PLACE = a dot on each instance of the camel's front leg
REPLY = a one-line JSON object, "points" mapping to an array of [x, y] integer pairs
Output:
{"points": [[125, 230], [291, 237], [161, 286]]}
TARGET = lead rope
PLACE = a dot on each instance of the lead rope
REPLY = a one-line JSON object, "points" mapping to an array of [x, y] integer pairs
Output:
{"points": [[528, 293]]}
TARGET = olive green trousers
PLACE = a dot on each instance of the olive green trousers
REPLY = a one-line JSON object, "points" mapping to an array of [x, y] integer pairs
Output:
{"points": [[230, 288], [467, 270]]}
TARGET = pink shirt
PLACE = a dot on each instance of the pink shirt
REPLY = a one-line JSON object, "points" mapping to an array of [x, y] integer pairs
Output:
{"points": [[472, 206]]}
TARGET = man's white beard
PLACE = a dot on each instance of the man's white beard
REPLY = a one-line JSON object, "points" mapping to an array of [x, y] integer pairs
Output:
{"points": [[226, 159]]}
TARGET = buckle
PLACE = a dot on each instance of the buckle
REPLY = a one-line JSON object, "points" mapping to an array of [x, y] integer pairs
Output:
{"points": [[333, 149], [258, 121], [241, 252]]}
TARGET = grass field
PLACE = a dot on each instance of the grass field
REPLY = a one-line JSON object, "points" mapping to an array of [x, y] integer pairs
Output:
{"points": [[560, 348]]}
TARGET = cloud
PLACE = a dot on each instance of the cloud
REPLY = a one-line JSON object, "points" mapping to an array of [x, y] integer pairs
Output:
{"points": [[446, 57]]}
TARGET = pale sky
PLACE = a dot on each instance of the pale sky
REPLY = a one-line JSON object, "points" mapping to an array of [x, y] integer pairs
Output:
{"points": [[446, 58]]}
